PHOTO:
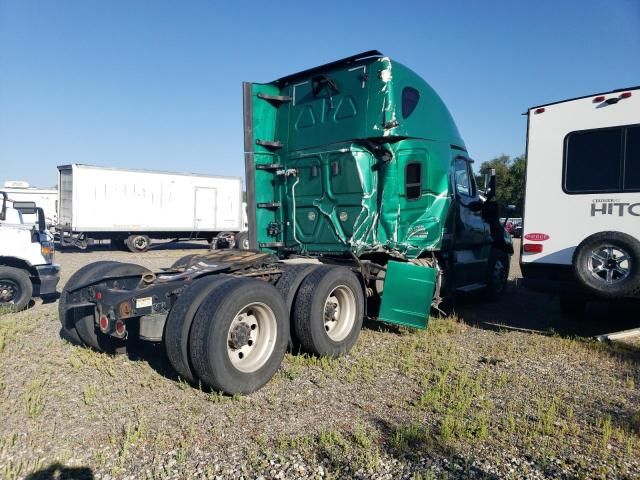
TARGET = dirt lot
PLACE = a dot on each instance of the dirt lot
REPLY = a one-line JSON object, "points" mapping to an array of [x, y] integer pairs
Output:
{"points": [[466, 398]]}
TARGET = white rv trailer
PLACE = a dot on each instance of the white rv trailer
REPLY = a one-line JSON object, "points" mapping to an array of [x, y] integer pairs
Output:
{"points": [[581, 230], [130, 207], [45, 198]]}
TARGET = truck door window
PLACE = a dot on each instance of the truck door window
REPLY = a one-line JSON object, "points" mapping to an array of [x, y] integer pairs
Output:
{"points": [[410, 97], [463, 178], [413, 181]]}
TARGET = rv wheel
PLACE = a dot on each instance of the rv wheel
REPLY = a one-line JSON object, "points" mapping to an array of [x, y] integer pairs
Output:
{"points": [[138, 243], [328, 311], [239, 336], [608, 264]]}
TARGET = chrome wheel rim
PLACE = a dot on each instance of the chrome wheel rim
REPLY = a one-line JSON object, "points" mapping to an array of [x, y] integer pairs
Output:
{"points": [[9, 291], [339, 313], [140, 243], [609, 264], [252, 337]]}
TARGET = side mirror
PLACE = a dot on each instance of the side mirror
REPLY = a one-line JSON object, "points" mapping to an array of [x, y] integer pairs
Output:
{"points": [[3, 212], [26, 208], [490, 184], [42, 224]]}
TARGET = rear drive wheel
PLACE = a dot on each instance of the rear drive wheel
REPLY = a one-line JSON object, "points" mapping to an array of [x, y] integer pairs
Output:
{"points": [[497, 274], [179, 321], [138, 243], [15, 288], [239, 336], [608, 264], [328, 311], [242, 241]]}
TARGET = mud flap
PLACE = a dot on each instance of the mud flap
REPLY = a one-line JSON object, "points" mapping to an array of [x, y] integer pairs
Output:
{"points": [[407, 296]]}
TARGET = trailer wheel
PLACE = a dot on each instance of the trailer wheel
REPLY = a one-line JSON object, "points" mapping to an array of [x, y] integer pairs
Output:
{"points": [[328, 311], [288, 285], [15, 288], [85, 319], [239, 336], [68, 315], [608, 264], [242, 240], [138, 243], [497, 274], [179, 321]]}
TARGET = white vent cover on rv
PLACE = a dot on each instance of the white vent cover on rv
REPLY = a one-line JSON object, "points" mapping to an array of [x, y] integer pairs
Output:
{"points": [[16, 184]]}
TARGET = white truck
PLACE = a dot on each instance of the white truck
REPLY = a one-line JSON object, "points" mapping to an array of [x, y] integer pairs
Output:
{"points": [[26, 256], [581, 234], [131, 207], [45, 198]]}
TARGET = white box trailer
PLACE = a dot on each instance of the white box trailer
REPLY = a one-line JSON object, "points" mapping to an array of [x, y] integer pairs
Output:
{"points": [[130, 207], [45, 198], [581, 232]]}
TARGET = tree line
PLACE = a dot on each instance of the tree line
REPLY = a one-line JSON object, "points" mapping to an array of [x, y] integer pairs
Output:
{"points": [[509, 180]]}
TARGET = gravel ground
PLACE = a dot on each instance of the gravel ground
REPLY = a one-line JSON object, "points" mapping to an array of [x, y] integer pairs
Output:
{"points": [[500, 390]]}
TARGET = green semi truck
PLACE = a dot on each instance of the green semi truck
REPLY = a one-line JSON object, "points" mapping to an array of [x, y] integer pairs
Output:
{"points": [[361, 203]]}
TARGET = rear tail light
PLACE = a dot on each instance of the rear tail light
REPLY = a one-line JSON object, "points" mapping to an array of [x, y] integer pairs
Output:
{"points": [[539, 110], [532, 247], [625, 95], [120, 328], [598, 99], [104, 324]]}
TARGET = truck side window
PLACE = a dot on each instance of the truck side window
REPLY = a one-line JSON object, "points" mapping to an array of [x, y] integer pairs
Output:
{"points": [[462, 178], [632, 159], [410, 97], [413, 181]]}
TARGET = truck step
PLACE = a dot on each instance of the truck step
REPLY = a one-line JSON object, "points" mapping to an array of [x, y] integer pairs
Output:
{"points": [[278, 99], [269, 205], [270, 144]]}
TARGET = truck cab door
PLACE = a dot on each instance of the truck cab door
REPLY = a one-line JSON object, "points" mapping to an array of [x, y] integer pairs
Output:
{"points": [[472, 236]]}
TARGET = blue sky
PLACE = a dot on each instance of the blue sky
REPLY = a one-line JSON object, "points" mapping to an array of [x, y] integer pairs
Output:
{"points": [[157, 84]]}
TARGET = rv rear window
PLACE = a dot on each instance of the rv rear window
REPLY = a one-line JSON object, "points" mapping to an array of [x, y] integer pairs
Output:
{"points": [[593, 161], [632, 159], [606, 160]]}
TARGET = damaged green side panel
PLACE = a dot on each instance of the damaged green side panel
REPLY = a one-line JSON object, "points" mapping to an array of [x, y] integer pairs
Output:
{"points": [[408, 291], [350, 159]]}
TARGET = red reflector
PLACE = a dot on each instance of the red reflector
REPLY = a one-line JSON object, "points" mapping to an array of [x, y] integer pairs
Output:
{"points": [[104, 323], [99, 295], [120, 328], [539, 110], [625, 95], [598, 99], [533, 247]]}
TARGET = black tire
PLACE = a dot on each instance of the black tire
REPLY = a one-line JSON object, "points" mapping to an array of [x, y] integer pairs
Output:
{"points": [[85, 323], [593, 262], [15, 288], [67, 315], [183, 261], [497, 274], [288, 285], [179, 322], [310, 308], [138, 243], [242, 241], [210, 335]]}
